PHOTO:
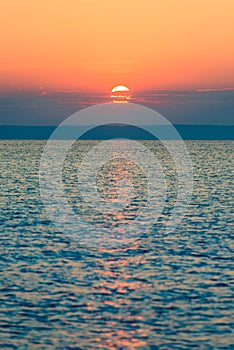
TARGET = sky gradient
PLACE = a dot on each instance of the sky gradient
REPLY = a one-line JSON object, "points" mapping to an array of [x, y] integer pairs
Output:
{"points": [[94, 45]]}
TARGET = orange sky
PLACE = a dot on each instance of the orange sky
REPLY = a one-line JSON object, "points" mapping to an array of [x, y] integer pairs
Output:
{"points": [[93, 45]]}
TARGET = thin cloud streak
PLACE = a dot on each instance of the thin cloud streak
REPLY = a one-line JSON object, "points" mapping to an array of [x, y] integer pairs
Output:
{"points": [[42, 107]]}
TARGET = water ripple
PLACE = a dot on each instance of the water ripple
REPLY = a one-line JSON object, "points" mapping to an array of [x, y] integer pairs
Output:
{"points": [[167, 291]]}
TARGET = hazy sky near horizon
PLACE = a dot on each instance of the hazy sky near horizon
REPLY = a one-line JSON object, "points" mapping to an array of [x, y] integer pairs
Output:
{"points": [[93, 45], [203, 106]]}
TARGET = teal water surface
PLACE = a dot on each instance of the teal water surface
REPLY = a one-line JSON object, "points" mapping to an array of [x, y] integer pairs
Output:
{"points": [[166, 291]]}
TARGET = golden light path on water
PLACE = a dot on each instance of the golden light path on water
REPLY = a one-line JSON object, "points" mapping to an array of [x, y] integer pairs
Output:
{"points": [[170, 291]]}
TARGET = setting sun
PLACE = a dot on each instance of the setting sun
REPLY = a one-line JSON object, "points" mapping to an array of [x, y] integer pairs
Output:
{"points": [[120, 94], [120, 88]]}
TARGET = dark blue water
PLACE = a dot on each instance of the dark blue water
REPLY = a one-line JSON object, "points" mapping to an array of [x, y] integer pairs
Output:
{"points": [[166, 291]]}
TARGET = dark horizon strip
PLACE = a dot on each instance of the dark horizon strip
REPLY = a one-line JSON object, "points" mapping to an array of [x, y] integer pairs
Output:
{"points": [[187, 132]]}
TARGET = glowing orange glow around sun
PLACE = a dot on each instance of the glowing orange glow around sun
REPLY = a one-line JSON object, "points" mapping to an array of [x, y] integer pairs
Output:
{"points": [[120, 94], [74, 45]]}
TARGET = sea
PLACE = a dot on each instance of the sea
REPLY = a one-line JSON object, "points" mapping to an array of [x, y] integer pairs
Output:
{"points": [[164, 290]]}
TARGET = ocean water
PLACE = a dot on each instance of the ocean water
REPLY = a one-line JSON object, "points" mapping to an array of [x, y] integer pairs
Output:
{"points": [[163, 291]]}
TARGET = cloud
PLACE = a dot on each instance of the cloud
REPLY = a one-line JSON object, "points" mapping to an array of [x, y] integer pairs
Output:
{"points": [[201, 106]]}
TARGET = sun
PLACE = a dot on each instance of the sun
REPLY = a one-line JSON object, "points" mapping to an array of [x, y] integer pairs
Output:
{"points": [[120, 88], [120, 94]]}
